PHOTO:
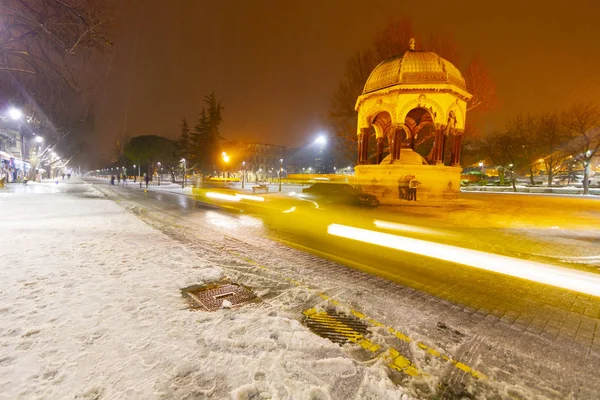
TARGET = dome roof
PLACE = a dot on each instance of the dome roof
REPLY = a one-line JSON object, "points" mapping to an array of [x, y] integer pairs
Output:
{"points": [[414, 68]]}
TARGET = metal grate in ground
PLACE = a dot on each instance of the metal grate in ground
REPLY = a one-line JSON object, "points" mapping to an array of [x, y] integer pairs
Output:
{"points": [[211, 297], [339, 328]]}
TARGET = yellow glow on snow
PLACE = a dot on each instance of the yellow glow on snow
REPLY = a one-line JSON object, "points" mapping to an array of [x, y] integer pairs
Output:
{"points": [[579, 281]]}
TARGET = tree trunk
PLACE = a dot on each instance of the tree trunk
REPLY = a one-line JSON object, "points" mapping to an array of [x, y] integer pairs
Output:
{"points": [[531, 176], [586, 177], [550, 176]]}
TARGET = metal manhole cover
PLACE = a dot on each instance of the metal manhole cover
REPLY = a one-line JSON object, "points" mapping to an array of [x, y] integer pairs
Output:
{"points": [[339, 328], [212, 297]]}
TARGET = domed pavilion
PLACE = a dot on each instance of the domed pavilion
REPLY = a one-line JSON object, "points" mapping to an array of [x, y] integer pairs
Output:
{"points": [[411, 119]]}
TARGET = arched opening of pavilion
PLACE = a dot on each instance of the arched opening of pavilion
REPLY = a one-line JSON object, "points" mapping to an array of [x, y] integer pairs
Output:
{"points": [[411, 118]]}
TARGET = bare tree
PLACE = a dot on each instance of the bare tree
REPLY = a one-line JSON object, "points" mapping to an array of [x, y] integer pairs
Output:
{"points": [[550, 138], [523, 129], [583, 126], [44, 47]]}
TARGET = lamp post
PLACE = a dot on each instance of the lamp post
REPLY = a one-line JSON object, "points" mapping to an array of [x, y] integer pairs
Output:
{"points": [[225, 161], [158, 164], [280, 172], [183, 180], [134, 175], [321, 142], [243, 172], [140, 174]]}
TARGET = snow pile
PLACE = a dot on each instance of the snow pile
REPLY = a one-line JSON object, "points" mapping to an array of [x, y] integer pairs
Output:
{"points": [[90, 307]]}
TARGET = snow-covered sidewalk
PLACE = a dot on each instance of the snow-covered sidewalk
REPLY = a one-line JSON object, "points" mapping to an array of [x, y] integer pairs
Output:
{"points": [[90, 307]]}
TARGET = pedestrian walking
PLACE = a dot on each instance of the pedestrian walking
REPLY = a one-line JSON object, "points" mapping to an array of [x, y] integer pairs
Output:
{"points": [[118, 179], [124, 180], [112, 179], [147, 179]]}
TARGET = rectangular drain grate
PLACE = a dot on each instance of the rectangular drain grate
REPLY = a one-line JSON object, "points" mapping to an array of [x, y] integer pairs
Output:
{"points": [[211, 297], [338, 328]]}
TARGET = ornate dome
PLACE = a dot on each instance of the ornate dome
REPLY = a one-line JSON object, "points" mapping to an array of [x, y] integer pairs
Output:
{"points": [[414, 68]]}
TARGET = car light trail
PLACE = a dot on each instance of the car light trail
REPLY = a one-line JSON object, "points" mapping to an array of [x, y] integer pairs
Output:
{"points": [[579, 281], [249, 197], [222, 196], [407, 228], [237, 197]]}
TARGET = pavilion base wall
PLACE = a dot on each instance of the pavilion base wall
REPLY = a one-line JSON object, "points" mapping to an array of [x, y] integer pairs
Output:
{"points": [[438, 182]]}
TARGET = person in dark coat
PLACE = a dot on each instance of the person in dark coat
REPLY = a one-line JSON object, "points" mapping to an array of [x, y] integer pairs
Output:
{"points": [[147, 179]]}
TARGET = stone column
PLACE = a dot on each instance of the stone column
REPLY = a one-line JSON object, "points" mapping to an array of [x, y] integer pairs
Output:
{"points": [[380, 145], [456, 147], [438, 153], [363, 146], [398, 141], [392, 144]]}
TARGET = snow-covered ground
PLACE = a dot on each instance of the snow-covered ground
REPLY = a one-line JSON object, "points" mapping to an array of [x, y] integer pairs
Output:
{"points": [[90, 308]]}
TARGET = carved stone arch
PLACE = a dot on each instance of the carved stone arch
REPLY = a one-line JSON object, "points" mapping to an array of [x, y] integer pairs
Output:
{"points": [[382, 123], [372, 112], [437, 112]]}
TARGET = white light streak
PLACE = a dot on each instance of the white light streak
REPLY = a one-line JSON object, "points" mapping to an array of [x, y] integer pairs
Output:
{"points": [[222, 196], [407, 228], [579, 281], [250, 197]]}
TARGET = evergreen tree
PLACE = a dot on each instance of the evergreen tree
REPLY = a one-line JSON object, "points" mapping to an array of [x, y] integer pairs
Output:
{"points": [[198, 143], [207, 135], [185, 144]]}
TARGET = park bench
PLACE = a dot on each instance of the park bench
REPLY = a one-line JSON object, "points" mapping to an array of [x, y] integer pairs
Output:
{"points": [[260, 187]]}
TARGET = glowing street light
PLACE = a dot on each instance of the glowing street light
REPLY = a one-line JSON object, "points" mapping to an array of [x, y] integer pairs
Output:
{"points": [[280, 172], [39, 139], [183, 180], [15, 113], [321, 139], [159, 168]]}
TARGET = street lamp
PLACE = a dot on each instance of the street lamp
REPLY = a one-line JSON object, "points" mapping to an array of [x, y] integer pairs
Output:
{"points": [[243, 172], [183, 180], [134, 176], [15, 113], [158, 164], [321, 139], [280, 172], [39, 139], [225, 161]]}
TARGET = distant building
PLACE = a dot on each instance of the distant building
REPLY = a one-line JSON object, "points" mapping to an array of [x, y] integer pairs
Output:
{"points": [[14, 154], [261, 159]]}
